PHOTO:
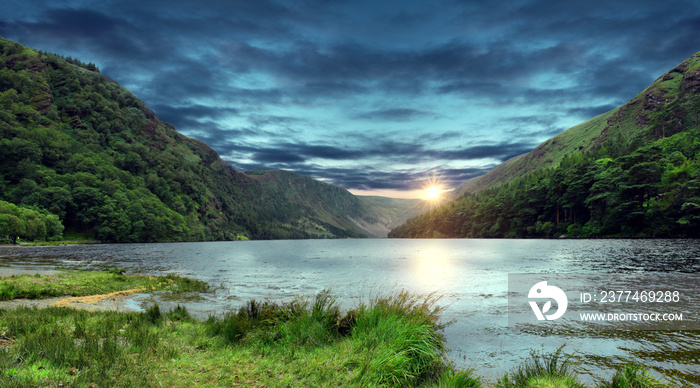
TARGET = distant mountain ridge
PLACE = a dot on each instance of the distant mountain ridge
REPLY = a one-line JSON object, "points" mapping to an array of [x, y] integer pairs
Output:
{"points": [[630, 172], [333, 206], [382, 214], [75, 144]]}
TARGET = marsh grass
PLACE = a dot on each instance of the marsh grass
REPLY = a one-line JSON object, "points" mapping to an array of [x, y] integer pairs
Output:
{"points": [[633, 376], [464, 378], [83, 283], [543, 370], [392, 340], [398, 338], [555, 370]]}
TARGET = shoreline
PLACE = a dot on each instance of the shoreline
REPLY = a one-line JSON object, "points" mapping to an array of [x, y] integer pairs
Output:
{"points": [[127, 300], [61, 243], [571, 238]]}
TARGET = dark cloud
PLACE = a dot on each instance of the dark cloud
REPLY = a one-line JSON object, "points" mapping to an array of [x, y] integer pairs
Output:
{"points": [[433, 137], [331, 89], [189, 115], [260, 121], [287, 152], [590, 111], [78, 24], [394, 114], [502, 152], [330, 153], [370, 178], [472, 87], [275, 156], [396, 152]]}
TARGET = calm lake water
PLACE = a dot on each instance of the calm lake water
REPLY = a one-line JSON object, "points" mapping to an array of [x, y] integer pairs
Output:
{"points": [[472, 276]]}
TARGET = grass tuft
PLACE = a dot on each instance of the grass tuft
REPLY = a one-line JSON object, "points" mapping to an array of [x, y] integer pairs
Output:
{"points": [[633, 376], [399, 340], [458, 379], [543, 370], [153, 314]]}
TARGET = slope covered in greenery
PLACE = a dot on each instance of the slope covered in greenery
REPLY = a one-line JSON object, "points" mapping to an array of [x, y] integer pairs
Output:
{"points": [[384, 214], [548, 154], [634, 172], [75, 144]]}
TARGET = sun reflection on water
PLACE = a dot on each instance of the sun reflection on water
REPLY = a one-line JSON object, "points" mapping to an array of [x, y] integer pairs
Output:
{"points": [[433, 268]]}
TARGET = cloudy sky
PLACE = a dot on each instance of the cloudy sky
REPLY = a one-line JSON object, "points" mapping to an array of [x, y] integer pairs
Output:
{"points": [[374, 96]]}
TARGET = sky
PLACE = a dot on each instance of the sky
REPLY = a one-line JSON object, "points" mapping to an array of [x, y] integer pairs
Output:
{"points": [[378, 97]]}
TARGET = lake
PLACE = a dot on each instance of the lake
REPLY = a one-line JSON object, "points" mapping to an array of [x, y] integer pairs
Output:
{"points": [[471, 276]]}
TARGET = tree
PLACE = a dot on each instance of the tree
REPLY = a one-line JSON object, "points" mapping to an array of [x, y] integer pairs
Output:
{"points": [[12, 227]]}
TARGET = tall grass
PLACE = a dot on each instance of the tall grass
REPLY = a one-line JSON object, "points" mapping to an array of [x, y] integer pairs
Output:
{"points": [[633, 376], [458, 379], [59, 345], [295, 321], [392, 340], [556, 370], [397, 336], [543, 370]]}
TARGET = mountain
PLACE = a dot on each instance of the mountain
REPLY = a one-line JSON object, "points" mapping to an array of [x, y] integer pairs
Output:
{"points": [[336, 211], [631, 172], [384, 214], [79, 151]]}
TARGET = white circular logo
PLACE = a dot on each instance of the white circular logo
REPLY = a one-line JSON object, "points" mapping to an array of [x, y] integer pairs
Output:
{"points": [[542, 291]]}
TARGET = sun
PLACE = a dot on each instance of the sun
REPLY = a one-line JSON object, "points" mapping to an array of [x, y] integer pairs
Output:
{"points": [[433, 192]]}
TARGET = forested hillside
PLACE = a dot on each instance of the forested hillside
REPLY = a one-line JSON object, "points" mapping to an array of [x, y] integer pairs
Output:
{"points": [[384, 214], [76, 145], [633, 172]]}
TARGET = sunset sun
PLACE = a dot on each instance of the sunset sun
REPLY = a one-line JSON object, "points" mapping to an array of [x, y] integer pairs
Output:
{"points": [[433, 193]]}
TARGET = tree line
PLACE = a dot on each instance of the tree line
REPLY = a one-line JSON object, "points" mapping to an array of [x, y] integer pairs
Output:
{"points": [[28, 223]]}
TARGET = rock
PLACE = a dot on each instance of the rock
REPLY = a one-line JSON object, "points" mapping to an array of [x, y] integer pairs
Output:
{"points": [[691, 81], [652, 101]]}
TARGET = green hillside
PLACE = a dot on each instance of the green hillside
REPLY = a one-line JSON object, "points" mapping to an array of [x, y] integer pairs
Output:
{"points": [[548, 154], [308, 205], [631, 172], [76, 146], [384, 214]]}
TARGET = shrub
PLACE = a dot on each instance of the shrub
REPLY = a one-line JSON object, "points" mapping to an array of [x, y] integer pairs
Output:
{"points": [[153, 314]]}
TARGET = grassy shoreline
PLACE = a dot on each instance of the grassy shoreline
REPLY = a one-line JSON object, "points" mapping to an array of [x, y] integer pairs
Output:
{"points": [[83, 283], [392, 340]]}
